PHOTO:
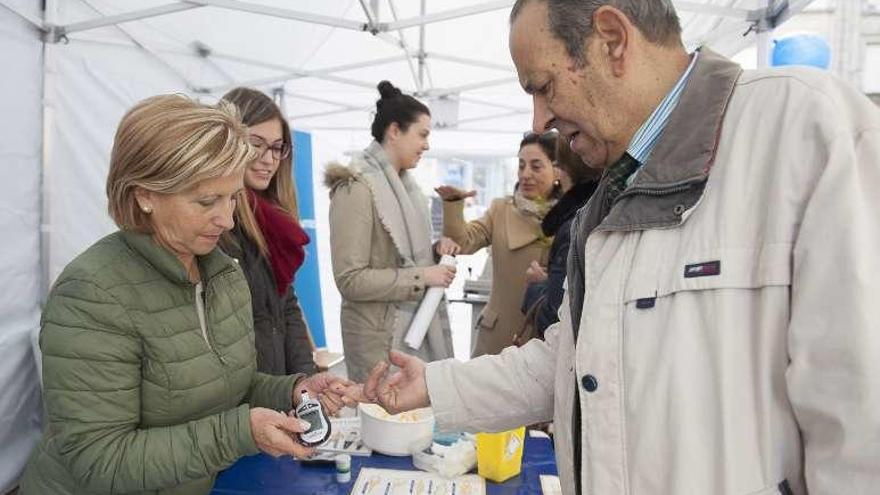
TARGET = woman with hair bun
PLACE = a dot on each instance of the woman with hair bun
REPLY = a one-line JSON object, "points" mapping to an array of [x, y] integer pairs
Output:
{"points": [[380, 239]]}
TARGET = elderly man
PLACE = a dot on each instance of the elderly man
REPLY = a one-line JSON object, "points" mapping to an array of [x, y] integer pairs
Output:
{"points": [[720, 333]]}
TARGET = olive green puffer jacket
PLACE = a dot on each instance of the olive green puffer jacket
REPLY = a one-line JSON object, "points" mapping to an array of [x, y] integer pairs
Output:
{"points": [[137, 400]]}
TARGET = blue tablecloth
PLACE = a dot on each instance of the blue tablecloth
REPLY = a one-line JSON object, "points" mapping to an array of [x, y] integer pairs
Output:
{"points": [[264, 474]]}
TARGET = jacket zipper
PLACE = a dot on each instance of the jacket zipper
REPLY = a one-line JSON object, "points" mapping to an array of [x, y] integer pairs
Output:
{"points": [[655, 192], [208, 333]]}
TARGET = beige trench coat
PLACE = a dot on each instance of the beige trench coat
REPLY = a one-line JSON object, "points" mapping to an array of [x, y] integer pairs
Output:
{"points": [[367, 270], [733, 351], [516, 240]]}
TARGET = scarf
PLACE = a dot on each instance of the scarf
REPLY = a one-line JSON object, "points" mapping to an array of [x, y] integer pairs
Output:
{"points": [[535, 208], [401, 205], [285, 240], [568, 206]]}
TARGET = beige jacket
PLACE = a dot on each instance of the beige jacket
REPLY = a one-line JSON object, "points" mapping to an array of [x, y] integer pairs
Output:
{"points": [[373, 285], [761, 376], [516, 240]]}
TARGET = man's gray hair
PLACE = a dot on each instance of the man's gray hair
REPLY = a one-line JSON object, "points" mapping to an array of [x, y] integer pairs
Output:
{"points": [[572, 21]]}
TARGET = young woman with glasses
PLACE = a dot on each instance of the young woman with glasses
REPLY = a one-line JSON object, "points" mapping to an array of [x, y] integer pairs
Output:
{"points": [[267, 239]]}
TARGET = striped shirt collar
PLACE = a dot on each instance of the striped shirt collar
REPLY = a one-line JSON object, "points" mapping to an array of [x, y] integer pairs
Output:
{"points": [[646, 137]]}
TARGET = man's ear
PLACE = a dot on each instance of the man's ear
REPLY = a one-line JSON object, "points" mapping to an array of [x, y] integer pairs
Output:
{"points": [[614, 32]]}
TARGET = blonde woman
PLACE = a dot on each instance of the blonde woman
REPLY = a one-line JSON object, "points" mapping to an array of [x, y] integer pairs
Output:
{"points": [[267, 239], [149, 370]]}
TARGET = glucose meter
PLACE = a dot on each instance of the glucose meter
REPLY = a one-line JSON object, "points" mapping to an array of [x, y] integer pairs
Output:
{"points": [[310, 411]]}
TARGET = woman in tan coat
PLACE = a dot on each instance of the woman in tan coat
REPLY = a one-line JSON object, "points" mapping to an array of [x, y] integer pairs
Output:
{"points": [[512, 227], [380, 240]]}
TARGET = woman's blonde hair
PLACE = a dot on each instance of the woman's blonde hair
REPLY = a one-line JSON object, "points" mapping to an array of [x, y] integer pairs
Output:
{"points": [[168, 144], [255, 108]]}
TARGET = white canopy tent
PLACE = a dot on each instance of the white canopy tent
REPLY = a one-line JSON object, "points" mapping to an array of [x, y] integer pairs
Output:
{"points": [[72, 67]]}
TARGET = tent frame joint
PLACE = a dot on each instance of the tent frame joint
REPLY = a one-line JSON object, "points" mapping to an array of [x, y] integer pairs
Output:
{"points": [[768, 18], [54, 34], [375, 28]]}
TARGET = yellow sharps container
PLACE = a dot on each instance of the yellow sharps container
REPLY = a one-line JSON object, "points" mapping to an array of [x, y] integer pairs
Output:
{"points": [[499, 455]]}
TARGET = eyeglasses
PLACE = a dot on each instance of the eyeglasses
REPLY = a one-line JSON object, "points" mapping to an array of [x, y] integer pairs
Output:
{"points": [[279, 151]]}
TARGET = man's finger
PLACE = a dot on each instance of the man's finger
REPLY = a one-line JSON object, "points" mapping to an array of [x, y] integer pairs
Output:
{"points": [[399, 359], [329, 407], [371, 386], [353, 395], [333, 400]]}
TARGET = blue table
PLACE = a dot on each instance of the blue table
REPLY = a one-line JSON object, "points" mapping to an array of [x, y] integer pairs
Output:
{"points": [[263, 474]]}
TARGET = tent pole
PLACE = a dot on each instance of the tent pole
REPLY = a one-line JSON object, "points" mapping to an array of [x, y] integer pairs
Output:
{"points": [[848, 52], [405, 47], [423, 11], [764, 34], [763, 40], [50, 18], [449, 14]]}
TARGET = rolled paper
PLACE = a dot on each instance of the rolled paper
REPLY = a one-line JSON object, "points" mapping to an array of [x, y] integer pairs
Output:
{"points": [[422, 319]]}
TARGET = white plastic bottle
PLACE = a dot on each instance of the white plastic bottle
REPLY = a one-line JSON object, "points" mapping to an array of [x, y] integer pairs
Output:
{"points": [[422, 319]]}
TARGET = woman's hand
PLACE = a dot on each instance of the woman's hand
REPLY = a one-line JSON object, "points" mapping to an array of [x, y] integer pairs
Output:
{"points": [[330, 390], [446, 246], [276, 434], [452, 193], [536, 273], [439, 275]]}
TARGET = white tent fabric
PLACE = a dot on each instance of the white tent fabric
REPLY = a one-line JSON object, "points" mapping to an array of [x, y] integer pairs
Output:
{"points": [[102, 56], [20, 132]]}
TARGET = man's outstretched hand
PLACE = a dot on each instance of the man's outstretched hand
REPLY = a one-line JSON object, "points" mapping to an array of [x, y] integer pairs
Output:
{"points": [[404, 390]]}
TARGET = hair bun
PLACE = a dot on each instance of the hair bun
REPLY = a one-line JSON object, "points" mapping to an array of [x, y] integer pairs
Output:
{"points": [[388, 90]]}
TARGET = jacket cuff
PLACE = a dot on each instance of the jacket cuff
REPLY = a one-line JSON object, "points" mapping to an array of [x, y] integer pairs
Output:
{"points": [[453, 219], [241, 426], [415, 280], [279, 392], [453, 209], [448, 412], [291, 389]]}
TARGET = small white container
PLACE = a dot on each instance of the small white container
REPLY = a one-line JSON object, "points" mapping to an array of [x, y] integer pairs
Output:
{"points": [[343, 468], [397, 435]]}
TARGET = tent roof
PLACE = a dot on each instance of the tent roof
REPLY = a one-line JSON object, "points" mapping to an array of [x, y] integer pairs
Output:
{"points": [[326, 57]]}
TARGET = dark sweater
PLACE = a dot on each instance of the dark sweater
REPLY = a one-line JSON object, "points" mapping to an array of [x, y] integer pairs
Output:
{"points": [[556, 223], [281, 333]]}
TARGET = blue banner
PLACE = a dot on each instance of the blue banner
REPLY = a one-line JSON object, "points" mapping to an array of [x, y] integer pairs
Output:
{"points": [[308, 280]]}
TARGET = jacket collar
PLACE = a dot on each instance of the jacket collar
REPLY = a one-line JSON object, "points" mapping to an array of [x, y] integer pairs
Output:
{"points": [[680, 164], [522, 229], [164, 262], [686, 149]]}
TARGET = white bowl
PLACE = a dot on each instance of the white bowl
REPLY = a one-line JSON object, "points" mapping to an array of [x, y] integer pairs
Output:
{"points": [[398, 435]]}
